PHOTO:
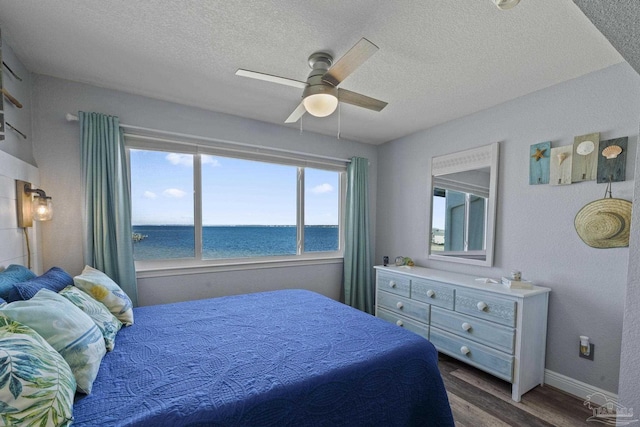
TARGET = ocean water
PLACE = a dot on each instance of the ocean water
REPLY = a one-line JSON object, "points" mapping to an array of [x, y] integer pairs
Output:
{"points": [[219, 242]]}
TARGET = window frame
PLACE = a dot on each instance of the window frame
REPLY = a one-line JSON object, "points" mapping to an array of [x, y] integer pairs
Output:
{"points": [[467, 220], [163, 267]]}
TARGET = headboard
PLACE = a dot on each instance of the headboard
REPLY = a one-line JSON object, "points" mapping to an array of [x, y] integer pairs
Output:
{"points": [[13, 249]]}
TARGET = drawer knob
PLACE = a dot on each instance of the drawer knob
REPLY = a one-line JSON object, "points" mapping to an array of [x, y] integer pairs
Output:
{"points": [[430, 293], [399, 305], [482, 306], [466, 326], [400, 323], [464, 350], [392, 284]]}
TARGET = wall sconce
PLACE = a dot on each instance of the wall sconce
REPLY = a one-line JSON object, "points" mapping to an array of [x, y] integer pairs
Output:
{"points": [[38, 208]]}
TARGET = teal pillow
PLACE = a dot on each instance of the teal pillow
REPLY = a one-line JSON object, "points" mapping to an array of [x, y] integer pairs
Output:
{"points": [[13, 274], [103, 289], [36, 384], [101, 316], [69, 331]]}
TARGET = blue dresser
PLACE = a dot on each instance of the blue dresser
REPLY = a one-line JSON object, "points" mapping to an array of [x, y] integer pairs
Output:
{"points": [[500, 330]]}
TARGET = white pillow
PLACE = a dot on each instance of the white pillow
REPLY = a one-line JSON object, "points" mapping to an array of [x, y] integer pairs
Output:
{"points": [[103, 289], [67, 329], [101, 316]]}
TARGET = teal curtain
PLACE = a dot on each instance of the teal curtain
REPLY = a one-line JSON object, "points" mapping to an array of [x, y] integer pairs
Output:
{"points": [[107, 215], [357, 282]]}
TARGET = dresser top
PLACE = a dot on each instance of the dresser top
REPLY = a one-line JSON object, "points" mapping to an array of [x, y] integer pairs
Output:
{"points": [[461, 280]]}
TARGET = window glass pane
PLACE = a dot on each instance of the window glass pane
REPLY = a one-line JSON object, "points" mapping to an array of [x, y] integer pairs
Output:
{"points": [[248, 208], [162, 204], [321, 210], [439, 212]]}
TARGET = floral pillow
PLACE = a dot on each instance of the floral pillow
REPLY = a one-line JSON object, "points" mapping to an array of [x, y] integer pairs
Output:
{"points": [[54, 279], [67, 329], [13, 274], [108, 324], [36, 384], [102, 288]]}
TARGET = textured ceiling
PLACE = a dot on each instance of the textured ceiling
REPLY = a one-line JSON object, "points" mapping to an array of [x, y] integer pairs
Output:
{"points": [[438, 60], [619, 24]]}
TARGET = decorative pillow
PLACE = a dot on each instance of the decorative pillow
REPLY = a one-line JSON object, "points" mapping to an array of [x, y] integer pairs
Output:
{"points": [[101, 316], [102, 288], [71, 332], [36, 384], [55, 279], [13, 274]]}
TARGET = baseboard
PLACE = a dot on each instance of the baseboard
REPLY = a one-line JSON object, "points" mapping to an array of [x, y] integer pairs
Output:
{"points": [[578, 388]]}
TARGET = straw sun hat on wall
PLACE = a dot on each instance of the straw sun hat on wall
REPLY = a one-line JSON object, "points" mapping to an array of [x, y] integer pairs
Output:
{"points": [[605, 223]]}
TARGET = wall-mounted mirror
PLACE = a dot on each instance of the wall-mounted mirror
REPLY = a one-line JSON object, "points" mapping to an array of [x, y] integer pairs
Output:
{"points": [[463, 206]]}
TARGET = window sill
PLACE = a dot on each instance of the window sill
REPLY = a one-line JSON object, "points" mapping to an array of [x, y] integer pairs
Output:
{"points": [[148, 269]]}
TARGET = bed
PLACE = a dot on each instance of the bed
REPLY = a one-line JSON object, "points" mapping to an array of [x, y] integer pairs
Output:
{"points": [[283, 358]]}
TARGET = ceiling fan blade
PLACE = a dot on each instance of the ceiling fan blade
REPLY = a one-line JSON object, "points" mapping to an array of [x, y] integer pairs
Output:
{"points": [[271, 78], [358, 100], [351, 60], [297, 113]]}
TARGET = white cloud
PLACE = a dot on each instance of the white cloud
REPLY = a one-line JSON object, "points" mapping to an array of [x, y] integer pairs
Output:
{"points": [[180, 159], [149, 195], [173, 192], [210, 160], [322, 188]]}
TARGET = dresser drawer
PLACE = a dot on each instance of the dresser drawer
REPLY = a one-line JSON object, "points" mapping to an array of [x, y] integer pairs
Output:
{"points": [[490, 334], [478, 355], [487, 307], [404, 322], [432, 292], [398, 285], [404, 306]]}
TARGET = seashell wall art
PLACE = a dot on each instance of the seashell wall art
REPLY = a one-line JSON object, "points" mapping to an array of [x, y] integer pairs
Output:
{"points": [[587, 159], [560, 173], [612, 159]]}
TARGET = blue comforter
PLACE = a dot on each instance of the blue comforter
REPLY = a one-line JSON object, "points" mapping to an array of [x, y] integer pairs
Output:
{"points": [[284, 358]]}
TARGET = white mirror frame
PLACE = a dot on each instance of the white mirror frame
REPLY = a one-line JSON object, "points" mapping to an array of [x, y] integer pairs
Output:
{"points": [[475, 158]]}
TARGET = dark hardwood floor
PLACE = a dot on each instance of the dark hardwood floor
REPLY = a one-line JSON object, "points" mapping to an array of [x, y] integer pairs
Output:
{"points": [[479, 399]]}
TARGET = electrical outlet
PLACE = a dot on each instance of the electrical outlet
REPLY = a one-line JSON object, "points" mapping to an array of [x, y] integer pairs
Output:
{"points": [[590, 356]]}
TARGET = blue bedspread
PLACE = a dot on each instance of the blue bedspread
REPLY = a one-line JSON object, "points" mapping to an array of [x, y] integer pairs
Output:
{"points": [[284, 358]]}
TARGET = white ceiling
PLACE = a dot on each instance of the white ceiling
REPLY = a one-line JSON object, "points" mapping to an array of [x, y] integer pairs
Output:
{"points": [[438, 60]]}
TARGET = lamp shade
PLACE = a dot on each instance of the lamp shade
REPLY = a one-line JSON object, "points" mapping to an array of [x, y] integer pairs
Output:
{"points": [[320, 104], [42, 208]]}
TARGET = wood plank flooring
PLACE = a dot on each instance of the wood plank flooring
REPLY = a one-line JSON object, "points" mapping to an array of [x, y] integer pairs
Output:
{"points": [[478, 399]]}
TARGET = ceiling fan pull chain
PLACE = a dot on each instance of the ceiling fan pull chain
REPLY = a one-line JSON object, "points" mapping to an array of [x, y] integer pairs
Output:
{"points": [[300, 125], [339, 115]]}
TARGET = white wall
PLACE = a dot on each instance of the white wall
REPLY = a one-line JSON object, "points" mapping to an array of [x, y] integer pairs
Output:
{"points": [[535, 231], [13, 247], [629, 392], [57, 153]]}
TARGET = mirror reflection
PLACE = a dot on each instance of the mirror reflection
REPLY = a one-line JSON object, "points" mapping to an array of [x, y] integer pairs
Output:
{"points": [[463, 206]]}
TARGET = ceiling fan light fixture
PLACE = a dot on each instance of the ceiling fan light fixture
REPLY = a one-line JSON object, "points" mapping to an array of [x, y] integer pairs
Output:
{"points": [[320, 104], [506, 4]]}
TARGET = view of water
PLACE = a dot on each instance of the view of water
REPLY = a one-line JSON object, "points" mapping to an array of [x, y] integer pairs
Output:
{"points": [[177, 241]]}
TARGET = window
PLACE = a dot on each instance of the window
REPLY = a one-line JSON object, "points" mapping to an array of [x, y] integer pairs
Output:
{"points": [[455, 217], [189, 206]]}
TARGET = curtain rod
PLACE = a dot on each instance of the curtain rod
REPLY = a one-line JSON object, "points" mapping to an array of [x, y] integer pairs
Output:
{"points": [[73, 118]]}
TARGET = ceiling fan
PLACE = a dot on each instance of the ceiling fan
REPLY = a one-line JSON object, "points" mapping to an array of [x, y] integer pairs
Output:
{"points": [[320, 93]]}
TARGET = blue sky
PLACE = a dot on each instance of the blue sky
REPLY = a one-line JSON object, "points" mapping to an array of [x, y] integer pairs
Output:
{"points": [[235, 192]]}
